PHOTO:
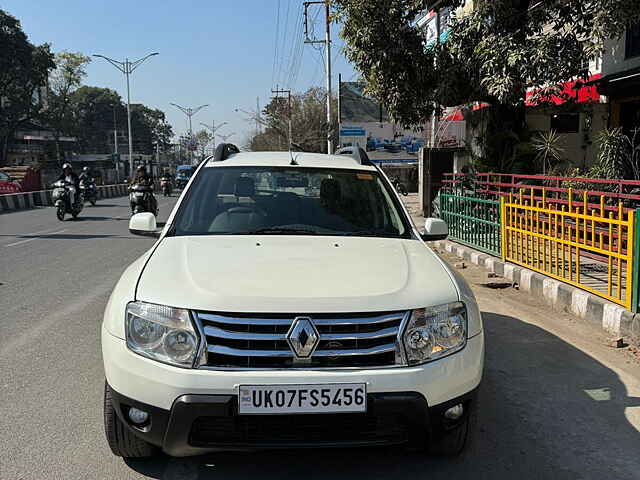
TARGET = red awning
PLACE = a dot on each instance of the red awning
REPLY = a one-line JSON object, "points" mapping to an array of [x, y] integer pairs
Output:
{"points": [[575, 89]]}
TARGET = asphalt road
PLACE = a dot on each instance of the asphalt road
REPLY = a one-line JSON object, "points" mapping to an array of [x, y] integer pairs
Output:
{"points": [[556, 402]]}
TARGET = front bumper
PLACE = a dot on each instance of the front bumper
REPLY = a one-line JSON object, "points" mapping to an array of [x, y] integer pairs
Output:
{"points": [[178, 399], [198, 424]]}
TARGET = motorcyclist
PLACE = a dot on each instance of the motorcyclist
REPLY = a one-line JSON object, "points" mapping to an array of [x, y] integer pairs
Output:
{"points": [[143, 178], [85, 176], [69, 176]]}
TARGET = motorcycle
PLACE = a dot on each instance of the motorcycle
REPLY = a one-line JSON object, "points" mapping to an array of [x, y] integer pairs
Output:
{"points": [[181, 181], [165, 186], [142, 199], [89, 191], [61, 196], [399, 186]]}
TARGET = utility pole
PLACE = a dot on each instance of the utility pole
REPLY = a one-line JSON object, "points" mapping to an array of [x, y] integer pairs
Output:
{"points": [[213, 129], [190, 112], [258, 115], [288, 92], [327, 53], [115, 145], [127, 68]]}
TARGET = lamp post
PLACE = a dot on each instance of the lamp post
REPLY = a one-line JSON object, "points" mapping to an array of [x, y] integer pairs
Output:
{"points": [[225, 137], [213, 129], [127, 67], [190, 112]]}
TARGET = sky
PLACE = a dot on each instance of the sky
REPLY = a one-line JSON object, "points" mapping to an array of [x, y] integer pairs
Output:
{"points": [[217, 52]]}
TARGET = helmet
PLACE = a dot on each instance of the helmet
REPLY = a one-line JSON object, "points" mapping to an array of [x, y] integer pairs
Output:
{"points": [[140, 168], [66, 165], [85, 169]]}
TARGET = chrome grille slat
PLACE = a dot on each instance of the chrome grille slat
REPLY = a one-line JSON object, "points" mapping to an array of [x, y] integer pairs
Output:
{"points": [[210, 331], [287, 353], [250, 341]]}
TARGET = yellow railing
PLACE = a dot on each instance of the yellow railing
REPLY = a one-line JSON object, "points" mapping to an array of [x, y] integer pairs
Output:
{"points": [[591, 249]]}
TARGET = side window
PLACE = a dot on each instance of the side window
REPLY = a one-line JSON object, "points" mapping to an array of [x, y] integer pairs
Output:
{"points": [[632, 43], [565, 122]]}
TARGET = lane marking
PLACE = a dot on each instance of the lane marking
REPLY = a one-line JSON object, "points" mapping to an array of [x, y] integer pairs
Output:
{"points": [[21, 242]]}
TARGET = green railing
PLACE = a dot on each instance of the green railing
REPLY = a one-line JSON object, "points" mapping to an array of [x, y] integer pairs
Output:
{"points": [[472, 221]]}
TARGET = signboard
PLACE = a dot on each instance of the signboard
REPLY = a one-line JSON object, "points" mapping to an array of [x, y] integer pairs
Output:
{"points": [[357, 107], [353, 135]]}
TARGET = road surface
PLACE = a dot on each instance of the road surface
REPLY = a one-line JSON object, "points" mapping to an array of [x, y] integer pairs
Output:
{"points": [[556, 402]]}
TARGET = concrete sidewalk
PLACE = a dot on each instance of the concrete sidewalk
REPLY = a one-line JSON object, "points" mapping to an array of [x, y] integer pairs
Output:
{"points": [[610, 317]]}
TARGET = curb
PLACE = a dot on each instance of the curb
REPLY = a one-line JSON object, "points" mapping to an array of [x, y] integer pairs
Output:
{"points": [[610, 317], [42, 198]]}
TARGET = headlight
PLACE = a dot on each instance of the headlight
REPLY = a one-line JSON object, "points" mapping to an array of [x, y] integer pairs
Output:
{"points": [[435, 332], [162, 333]]}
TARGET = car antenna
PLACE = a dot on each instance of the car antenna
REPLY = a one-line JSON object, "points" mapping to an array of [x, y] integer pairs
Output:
{"points": [[293, 160]]}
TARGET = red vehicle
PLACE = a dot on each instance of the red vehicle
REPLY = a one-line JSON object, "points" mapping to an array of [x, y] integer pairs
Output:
{"points": [[7, 185]]}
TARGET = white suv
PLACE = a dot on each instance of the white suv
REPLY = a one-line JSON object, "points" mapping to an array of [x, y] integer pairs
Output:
{"points": [[289, 302]]}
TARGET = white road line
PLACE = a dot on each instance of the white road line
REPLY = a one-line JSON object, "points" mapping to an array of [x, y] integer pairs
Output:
{"points": [[32, 239]]}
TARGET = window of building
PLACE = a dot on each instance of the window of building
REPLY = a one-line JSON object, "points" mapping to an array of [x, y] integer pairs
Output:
{"points": [[565, 122], [632, 44]]}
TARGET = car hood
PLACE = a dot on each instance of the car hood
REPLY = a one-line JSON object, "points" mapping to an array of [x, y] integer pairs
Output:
{"points": [[297, 274]]}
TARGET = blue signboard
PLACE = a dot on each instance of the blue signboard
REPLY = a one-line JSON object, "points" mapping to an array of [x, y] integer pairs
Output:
{"points": [[352, 132]]}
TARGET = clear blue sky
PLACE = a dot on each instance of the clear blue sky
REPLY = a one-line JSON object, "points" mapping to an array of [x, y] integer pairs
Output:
{"points": [[216, 52]]}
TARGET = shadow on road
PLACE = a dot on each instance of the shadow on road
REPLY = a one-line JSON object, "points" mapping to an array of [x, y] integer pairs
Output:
{"points": [[547, 410], [74, 236]]}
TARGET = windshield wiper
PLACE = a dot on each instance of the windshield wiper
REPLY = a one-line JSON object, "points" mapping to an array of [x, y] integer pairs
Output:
{"points": [[278, 231]]}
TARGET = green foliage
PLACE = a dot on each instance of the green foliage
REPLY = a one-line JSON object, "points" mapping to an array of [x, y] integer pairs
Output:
{"points": [[548, 149], [93, 110], [24, 68], [494, 53]]}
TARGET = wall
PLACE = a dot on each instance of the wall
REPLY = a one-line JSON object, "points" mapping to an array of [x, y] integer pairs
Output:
{"points": [[580, 148], [614, 61]]}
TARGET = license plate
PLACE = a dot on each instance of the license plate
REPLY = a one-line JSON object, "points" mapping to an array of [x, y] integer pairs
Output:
{"points": [[323, 398]]}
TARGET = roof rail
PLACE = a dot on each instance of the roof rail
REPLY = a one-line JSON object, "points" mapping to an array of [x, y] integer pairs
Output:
{"points": [[356, 152], [224, 151]]}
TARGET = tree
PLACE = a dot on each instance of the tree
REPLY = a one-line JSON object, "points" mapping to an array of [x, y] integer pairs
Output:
{"points": [[308, 123], [494, 54], [24, 68], [64, 80], [203, 138], [93, 110], [149, 129]]}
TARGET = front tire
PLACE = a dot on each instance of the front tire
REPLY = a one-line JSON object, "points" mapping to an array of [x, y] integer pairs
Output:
{"points": [[60, 211], [460, 439], [93, 202], [121, 440]]}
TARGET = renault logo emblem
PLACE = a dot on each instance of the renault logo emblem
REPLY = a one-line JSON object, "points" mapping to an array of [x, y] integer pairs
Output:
{"points": [[303, 337]]}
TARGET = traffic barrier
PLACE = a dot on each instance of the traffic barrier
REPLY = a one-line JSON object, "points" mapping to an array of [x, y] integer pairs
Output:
{"points": [[472, 221], [592, 249], [27, 200]]}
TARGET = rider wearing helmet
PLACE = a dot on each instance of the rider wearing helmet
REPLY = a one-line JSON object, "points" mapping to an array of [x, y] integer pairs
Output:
{"points": [[69, 176], [142, 177], [85, 176]]}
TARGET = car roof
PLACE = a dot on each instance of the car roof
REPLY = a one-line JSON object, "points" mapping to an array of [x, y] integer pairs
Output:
{"points": [[283, 159]]}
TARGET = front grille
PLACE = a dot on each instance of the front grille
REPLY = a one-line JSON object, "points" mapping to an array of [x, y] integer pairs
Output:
{"points": [[275, 430], [260, 341]]}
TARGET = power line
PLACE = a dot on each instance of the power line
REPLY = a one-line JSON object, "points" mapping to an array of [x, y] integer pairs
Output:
{"points": [[275, 52]]}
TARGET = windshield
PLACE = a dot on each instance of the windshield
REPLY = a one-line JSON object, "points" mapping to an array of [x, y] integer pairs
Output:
{"points": [[296, 200]]}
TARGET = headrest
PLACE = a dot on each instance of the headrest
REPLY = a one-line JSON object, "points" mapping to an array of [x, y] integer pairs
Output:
{"points": [[245, 187], [330, 189]]}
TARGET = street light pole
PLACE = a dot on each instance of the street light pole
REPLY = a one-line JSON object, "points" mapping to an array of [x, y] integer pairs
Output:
{"points": [[127, 68], [190, 112], [213, 129]]}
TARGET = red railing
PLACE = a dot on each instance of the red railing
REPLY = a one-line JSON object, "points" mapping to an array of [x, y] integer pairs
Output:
{"points": [[553, 190]]}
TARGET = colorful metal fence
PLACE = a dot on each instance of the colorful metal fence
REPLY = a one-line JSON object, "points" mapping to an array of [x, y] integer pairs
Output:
{"points": [[587, 247], [472, 221]]}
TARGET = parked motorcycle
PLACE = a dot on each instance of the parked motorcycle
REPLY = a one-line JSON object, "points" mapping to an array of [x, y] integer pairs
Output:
{"points": [[61, 196], [399, 186], [89, 191], [165, 186], [142, 199]]}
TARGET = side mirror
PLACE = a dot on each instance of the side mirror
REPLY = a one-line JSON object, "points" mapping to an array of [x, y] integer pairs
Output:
{"points": [[435, 229], [144, 224]]}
